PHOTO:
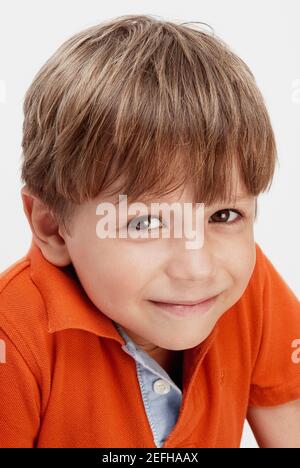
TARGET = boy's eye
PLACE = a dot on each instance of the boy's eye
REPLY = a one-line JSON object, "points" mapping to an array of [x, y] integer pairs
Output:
{"points": [[222, 216], [143, 222]]}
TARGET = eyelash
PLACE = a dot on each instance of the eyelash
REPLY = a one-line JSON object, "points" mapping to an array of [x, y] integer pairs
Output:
{"points": [[239, 219]]}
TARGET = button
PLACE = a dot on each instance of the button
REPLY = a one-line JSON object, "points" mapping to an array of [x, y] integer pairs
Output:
{"points": [[161, 386]]}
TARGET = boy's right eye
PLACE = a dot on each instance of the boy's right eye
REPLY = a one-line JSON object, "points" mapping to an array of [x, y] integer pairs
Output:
{"points": [[142, 223]]}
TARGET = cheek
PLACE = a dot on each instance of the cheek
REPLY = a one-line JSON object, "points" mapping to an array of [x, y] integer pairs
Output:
{"points": [[243, 264], [111, 276], [239, 265], [122, 278], [127, 269]]}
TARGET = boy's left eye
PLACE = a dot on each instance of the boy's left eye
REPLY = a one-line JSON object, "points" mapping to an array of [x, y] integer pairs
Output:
{"points": [[223, 215]]}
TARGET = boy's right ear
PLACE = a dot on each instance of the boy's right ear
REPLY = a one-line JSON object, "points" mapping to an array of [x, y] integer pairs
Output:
{"points": [[27, 200], [45, 229]]}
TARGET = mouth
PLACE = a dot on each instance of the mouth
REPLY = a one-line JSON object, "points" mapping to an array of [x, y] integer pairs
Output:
{"points": [[186, 308]]}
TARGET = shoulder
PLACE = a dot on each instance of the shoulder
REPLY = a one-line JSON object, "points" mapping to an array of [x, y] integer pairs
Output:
{"points": [[23, 317], [270, 282], [267, 296], [265, 277]]}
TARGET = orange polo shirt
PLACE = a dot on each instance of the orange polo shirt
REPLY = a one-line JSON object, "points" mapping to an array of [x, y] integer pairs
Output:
{"points": [[65, 380]]}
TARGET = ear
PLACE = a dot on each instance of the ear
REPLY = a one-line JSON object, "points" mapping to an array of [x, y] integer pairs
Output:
{"points": [[45, 229]]}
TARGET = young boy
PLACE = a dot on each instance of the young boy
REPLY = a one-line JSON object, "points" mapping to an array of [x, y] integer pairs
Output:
{"points": [[124, 341]]}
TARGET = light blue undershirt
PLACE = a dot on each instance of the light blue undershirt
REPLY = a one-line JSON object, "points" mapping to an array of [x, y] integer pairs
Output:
{"points": [[161, 396]]}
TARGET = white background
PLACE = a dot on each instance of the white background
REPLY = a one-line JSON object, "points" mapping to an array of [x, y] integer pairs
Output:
{"points": [[265, 34]]}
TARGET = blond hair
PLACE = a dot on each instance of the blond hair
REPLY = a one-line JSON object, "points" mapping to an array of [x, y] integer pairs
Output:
{"points": [[158, 103]]}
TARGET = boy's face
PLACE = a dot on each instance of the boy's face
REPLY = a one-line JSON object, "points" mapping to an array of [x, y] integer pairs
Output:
{"points": [[123, 275]]}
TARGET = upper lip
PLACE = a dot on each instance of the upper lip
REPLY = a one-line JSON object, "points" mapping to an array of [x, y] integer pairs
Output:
{"points": [[180, 302]]}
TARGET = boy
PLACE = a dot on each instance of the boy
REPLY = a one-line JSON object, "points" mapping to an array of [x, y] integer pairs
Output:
{"points": [[124, 341]]}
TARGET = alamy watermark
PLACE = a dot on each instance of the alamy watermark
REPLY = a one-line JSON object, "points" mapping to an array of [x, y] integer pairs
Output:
{"points": [[2, 92], [172, 220], [296, 91], [2, 352], [296, 354]]}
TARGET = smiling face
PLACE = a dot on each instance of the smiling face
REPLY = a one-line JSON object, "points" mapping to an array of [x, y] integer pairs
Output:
{"points": [[123, 275]]}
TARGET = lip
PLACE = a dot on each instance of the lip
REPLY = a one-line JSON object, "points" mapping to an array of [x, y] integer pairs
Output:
{"points": [[184, 309], [197, 301]]}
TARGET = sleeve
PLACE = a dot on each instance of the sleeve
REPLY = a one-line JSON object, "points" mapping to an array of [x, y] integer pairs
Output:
{"points": [[276, 374], [19, 402]]}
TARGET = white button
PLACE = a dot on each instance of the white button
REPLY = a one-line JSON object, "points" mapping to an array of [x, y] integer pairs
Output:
{"points": [[161, 386]]}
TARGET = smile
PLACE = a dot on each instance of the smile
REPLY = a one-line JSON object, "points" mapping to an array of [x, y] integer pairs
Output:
{"points": [[185, 309]]}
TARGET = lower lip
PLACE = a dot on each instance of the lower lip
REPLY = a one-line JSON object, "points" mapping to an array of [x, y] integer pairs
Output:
{"points": [[186, 310]]}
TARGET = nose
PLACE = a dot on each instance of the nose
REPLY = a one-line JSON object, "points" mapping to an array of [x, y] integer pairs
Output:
{"points": [[191, 264]]}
